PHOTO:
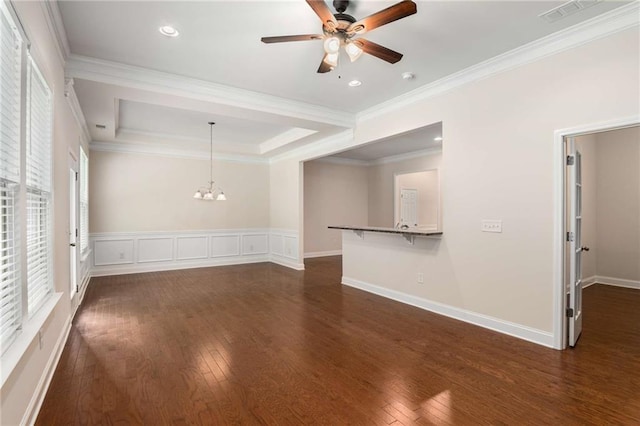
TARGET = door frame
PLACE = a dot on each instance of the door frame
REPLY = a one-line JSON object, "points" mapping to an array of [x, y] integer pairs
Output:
{"points": [[560, 324]]}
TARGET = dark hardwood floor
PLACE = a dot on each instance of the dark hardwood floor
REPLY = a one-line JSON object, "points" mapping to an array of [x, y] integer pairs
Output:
{"points": [[262, 344]]}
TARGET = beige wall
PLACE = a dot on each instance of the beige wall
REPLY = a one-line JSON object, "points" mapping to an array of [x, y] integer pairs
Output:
{"points": [[18, 392], [131, 193], [334, 194], [498, 163], [618, 206], [427, 186], [381, 177]]}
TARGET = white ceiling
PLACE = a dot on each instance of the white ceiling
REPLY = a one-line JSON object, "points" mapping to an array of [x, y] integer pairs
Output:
{"points": [[219, 43], [417, 141]]}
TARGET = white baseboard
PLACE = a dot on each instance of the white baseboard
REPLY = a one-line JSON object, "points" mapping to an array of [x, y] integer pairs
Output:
{"points": [[618, 282], [323, 253], [289, 263], [586, 282], [102, 271], [45, 380], [512, 329]]}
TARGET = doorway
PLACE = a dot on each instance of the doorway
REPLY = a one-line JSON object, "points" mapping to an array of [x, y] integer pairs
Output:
{"points": [[600, 218]]}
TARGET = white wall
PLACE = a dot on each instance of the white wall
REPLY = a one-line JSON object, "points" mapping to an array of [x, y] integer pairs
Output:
{"points": [[618, 204], [137, 192], [334, 194], [21, 392]]}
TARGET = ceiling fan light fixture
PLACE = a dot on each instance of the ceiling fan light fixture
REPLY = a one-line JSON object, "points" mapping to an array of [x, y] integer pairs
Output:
{"points": [[331, 59], [332, 45], [353, 50]]}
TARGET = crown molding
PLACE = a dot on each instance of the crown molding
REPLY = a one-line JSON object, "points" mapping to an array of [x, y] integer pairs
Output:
{"points": [[322, 148], [116, 73], [76, 110], [154, 150], [56, 29], [285, 138], [606, 24], [406, 156], [384, 160], [342, 161]]}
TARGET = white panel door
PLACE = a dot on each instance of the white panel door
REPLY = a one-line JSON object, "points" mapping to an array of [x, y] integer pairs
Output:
{"points": [[409, 207], [574, 174]]}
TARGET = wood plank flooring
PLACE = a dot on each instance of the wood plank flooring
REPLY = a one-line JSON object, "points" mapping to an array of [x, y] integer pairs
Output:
{"points": [[262, 344]]}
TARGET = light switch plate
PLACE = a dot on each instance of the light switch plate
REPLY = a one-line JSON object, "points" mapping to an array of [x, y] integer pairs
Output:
{"points": [[491, 225]]}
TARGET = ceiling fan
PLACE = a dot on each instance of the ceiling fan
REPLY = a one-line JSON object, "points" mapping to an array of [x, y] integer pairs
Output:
{"points": [[340, 29]]}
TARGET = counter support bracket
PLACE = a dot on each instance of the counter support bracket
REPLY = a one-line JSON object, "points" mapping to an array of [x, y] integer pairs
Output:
{"points": [[359, 233], [410, 238]]}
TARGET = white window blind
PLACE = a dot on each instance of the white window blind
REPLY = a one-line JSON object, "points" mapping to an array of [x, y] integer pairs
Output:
{"points": [[10, 92], [84, 201], [38, 179]]}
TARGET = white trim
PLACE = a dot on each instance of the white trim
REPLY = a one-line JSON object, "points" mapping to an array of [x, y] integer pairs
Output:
{"points": [[603, 25], [322, 253], [285, 138], [110, 72], [588, 282], [342, 161], [109, 270], [339, 142], [56, 29], [11, 358], [146, 149], [516, 330], [559, 231], [76, 110], [617, 282], [33, 409], [407, 156], [283, 261], [283, 253]]}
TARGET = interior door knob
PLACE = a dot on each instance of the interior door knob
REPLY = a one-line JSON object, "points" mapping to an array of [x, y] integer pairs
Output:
{"points": [[584, 248]]}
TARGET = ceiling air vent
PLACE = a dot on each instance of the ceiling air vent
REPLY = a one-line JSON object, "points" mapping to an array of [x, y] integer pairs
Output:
{"points": [[566, 9], [100, 126]]}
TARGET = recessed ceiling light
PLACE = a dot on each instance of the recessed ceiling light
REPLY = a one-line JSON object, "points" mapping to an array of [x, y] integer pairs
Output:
{"points": [[169, 31], [408, 76], [437, 138], [355, 83]]}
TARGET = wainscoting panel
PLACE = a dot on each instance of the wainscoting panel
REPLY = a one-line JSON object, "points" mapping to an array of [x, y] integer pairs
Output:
{"points": [[155, 249], [225, 245], [113, 252], [255, 244], [125, 253], [189, 248]]}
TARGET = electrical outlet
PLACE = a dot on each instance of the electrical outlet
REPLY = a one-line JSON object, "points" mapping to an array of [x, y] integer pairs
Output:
{"points": [[420, 278], [491, 225]]}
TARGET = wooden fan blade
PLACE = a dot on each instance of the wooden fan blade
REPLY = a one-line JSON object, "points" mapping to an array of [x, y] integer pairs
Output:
{"points": [[322, 10], [324, 66], [393, 13], [378, 51], [282, 39]]}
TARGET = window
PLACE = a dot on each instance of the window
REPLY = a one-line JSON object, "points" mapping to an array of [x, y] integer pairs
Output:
{"points": [[38, 184], [26, 116], [84, 202], [10, 104]]}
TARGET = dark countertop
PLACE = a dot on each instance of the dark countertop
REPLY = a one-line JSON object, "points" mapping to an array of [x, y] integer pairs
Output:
{"points": [[410, 231]]}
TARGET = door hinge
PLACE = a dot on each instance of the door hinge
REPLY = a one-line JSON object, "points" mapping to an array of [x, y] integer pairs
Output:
{"points": [[76, 232], [569, 236], [571, 160], [76, 176], [570, 312]]}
